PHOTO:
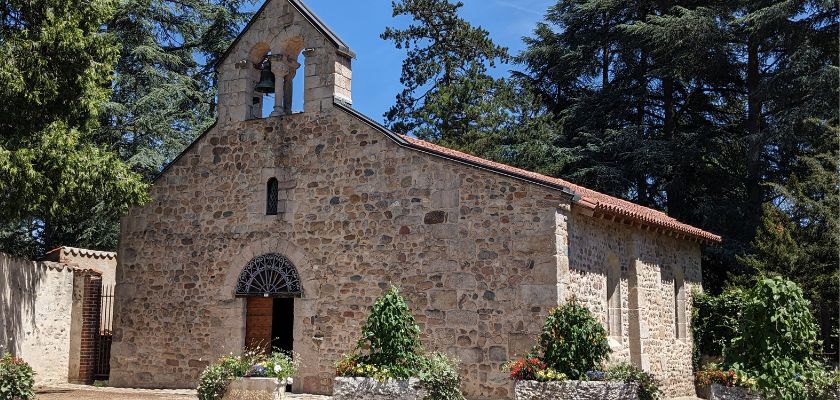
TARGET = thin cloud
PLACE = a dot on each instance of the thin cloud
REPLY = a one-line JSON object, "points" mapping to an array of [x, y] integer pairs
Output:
{"points": [[519, 7]]}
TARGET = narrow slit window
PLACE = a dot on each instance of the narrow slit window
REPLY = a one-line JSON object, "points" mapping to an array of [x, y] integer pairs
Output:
{"points": [[679, 308], [271, 197], [613, 296]]}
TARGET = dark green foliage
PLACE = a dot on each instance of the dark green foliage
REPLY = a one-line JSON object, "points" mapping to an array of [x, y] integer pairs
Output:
{"points": [[448, 96], [60, 185], [390, 348], [718, 113], [714, 322], [164, 83], [777, 339], [16, 379], [573, 341], [624, 372], [391, 337]]}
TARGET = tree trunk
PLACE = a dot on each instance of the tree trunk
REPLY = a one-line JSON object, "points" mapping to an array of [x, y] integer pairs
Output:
{"points": [[754, 141]]}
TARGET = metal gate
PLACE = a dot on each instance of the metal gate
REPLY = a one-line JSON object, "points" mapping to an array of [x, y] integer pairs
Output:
{"points": [[103, 363]]}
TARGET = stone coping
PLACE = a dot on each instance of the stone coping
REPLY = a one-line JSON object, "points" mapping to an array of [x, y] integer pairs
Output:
{"points": [[255, 389], [576, 390], [345, 388], [723, 392]]}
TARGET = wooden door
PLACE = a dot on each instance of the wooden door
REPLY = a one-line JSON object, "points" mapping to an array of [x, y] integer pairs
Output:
{"points": [[258, 323]]}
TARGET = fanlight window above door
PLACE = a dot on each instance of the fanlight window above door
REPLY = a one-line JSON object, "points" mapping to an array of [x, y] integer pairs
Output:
{"points": [[269, 275]]}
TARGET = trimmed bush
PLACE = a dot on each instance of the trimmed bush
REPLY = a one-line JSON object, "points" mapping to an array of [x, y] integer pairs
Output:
{"points": [[216, 377], [624, 372], [390, 348], [572, 341], [16, 379]]}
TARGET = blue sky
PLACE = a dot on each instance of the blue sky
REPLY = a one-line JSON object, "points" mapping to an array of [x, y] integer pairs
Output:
{"points": [[376, 69]]}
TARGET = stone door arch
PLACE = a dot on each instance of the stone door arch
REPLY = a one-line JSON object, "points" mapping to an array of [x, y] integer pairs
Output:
{"points": [[270, 283]]}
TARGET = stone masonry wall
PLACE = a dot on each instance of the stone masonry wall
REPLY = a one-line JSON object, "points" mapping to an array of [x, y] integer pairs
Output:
{"points": [[649, 262], [35, 315], [474, 252]]}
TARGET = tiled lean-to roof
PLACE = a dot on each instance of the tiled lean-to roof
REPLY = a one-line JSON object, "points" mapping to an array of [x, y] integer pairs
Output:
{"points": [[598, 203]]}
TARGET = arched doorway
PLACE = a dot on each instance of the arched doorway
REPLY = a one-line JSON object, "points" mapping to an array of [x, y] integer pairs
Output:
{"points": [[269, 283]]}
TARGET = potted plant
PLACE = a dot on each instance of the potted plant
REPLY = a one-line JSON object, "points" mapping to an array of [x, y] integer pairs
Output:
{"points": [[389, 361], [568, 360], [252, 375], [715, 383]]}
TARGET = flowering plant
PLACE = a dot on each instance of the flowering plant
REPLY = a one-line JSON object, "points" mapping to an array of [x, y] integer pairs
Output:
{"points": [[713, 374], [16, 378], [252, 364]]}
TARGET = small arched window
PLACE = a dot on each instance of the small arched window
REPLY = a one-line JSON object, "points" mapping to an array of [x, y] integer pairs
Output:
{"points": [[271, 197]]}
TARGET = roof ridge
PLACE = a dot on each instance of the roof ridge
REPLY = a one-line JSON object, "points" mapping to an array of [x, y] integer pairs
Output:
{"points": [[596, 199]]}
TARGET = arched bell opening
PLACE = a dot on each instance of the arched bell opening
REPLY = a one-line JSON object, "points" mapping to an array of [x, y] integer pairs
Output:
{"points": [[269, 283]]}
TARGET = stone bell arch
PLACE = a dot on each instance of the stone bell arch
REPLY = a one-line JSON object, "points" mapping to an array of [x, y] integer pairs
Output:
{"points": [[283, 30]]}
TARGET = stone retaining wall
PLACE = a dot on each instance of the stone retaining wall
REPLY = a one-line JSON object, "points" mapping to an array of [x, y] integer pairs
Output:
{"points": [[255, 389], [372, 389], [576, 390], [720, 392]]}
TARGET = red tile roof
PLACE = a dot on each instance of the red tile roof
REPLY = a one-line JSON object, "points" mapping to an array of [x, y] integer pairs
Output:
{"points": [[598, 202]]}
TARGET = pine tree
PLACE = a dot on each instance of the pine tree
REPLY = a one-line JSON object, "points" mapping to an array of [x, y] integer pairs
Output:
{"points": [[164, 89], [449, 95], [55, 65]]}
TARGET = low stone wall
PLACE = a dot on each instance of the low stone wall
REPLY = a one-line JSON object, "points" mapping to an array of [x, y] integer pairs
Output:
{"points": [[720, 392], [576, 390], [372, 389], [36, 300], [49, 317], [255, 389]]}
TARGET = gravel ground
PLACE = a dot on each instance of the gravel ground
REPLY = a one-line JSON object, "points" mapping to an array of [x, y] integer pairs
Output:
{"points": [[80, 392]]}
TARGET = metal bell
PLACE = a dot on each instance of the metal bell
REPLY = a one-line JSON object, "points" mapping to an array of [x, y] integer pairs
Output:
{"points": [[266, 83]]}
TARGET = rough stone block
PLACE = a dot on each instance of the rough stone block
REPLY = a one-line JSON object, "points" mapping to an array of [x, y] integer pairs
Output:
{"points": [[255, 389], [372, 389], [720, 392], [576, 390]]}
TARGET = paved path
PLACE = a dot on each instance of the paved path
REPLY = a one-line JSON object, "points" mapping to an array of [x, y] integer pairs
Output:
{"points": [[81, 392]]}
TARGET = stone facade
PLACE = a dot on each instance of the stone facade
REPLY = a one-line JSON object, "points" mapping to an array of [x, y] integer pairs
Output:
{"points": [[372, 389], [481, 255], [576, 390]]}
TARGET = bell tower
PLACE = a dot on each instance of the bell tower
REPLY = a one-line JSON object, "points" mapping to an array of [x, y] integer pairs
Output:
{"points": [[284, 39]]}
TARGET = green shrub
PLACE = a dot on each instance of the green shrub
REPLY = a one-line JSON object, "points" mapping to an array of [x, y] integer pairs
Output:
{"points": [[440, 377], [390, 348], [777, 340], [391, 337], [16, 379], [714, 322], [572, 341], [216, 377], [624, 372]]}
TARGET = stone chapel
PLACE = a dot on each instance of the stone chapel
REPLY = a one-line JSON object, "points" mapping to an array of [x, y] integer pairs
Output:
{"points": [[284, 229]]}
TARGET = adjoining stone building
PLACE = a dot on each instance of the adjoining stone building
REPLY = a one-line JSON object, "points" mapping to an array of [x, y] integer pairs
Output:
{"points": [[286, 228]]}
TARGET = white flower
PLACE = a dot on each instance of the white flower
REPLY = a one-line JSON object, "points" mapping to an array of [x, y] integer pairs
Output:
{"points": [[277, 369]]}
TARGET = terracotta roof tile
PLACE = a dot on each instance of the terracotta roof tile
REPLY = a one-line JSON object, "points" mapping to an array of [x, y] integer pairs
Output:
{"points": [[596, 201]]}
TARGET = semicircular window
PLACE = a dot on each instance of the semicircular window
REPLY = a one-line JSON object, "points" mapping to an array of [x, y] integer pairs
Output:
{"points": [[269, 275]]}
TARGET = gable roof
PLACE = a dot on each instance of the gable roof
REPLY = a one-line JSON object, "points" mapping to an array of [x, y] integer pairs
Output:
{"points": [[308, 14], [599, 203]]}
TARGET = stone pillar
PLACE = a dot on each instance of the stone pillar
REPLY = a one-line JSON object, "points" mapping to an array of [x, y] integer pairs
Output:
{"points": [[288, 80], [280, 69]]}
